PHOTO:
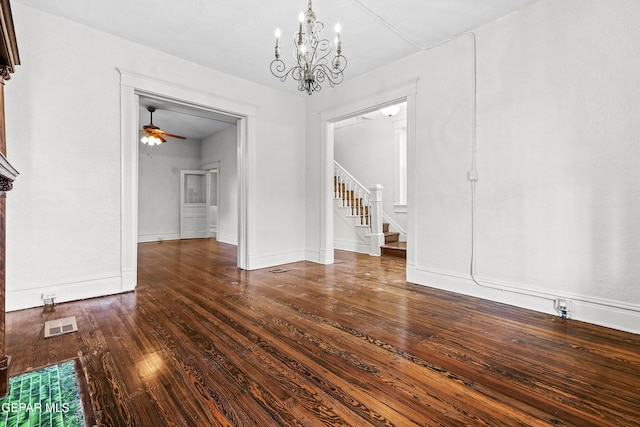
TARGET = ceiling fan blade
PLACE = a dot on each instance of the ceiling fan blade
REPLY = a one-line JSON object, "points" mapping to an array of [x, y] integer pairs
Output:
{"points": [[173, 136], [153, 130]]}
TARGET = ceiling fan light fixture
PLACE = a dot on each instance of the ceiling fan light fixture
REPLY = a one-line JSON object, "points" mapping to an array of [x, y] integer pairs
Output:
{"points": [[152, 134]]}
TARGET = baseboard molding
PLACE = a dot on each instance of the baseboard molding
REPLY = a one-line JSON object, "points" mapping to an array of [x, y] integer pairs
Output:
{"points": [[319, 257], [351, 246], [129, 280], [271, 260], [227, 238], [158, 237], [607, 313], [19, 300]]}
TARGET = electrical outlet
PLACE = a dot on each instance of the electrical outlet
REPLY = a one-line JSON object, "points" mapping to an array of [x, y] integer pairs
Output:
{"points": [[48, 296], [563, 307]]}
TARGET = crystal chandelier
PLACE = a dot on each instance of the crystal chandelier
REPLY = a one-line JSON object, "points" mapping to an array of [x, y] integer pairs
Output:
{"points": [[311, 52]]}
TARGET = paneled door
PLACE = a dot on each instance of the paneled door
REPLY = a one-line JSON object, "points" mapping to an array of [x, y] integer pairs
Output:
{"points": [[194, 204]]}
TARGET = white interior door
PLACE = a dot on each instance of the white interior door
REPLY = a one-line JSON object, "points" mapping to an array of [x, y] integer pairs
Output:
{"points": [[194, 202]]}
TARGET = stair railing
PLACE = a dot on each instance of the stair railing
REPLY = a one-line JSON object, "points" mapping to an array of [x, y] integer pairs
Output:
{"points": [[366, 205]]}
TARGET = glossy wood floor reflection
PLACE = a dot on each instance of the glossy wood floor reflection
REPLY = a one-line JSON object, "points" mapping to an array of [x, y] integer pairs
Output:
{"points": [[201, 343]]}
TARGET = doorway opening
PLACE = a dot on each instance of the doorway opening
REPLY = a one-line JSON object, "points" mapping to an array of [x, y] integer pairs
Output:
{"points": [[401, 94], [132, 87], [177, 196], [370, 152]]}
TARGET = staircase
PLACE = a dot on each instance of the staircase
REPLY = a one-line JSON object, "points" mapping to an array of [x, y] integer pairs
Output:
{"points": [[364, 209], [392, 246]]}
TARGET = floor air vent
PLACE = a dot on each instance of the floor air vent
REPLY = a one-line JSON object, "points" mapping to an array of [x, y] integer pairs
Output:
{"points": [[56, 327], [278, 270]]}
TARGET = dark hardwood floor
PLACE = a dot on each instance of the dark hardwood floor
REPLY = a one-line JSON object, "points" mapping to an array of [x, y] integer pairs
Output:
{"points": [[201, 343]]}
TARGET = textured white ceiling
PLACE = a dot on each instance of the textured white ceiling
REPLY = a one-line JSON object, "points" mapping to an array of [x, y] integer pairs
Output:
{"points": [[237, 37]]}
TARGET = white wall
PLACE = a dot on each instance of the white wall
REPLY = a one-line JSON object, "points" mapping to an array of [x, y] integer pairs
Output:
{"points": [[557, 155], [223, 147], [159, 187], [63, 124]]}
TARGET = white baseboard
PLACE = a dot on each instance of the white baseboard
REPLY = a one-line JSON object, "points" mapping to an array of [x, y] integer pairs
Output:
{"points": [[231, 239], [271, 260], [319, 257], [611, 314], [129, 280], [19, 300], [351, 246], [158, 237]]}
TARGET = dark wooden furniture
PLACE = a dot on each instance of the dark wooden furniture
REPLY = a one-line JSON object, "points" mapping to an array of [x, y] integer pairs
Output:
{"points": [[8, 60]]}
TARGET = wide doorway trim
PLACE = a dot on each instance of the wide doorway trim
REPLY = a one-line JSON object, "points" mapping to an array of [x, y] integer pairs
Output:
{"points": [[405, 92], [132, 85]]}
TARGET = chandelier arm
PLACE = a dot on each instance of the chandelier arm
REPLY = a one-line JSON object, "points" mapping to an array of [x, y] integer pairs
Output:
{"points": [[323, 72], [278, 69]]}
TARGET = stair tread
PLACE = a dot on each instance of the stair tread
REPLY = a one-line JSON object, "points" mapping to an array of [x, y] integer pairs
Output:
{"points": [[395, 249], [402, 246]]}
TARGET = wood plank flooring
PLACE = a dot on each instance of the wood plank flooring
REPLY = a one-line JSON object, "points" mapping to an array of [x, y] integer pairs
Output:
{"points": [[201, 343]]}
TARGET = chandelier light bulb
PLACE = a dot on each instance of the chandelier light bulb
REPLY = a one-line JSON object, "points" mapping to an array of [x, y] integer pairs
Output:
{"points": [[144, 139]]}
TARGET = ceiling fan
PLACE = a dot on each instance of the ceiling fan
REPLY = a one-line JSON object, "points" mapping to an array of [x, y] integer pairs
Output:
{"points": [[152, 134]]}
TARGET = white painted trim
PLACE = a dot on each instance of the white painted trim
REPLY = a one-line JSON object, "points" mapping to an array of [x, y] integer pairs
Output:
{"points": [[129, 101], [392, 95], [147, 238], [269, 260], [27, 298], [608, 313], [314, 256], [412, 247], [246, 183], [400, 208], [404, 92], [133, 84], [227, 238], [326, 193], [346, 245], [213, 229]]}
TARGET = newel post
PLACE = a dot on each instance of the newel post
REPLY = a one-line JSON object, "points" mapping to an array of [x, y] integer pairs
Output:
{"points": [[377, 236]]}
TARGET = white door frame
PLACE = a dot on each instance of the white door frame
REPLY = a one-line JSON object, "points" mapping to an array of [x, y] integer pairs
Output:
{"points": [[406, 92], [209, 167], [132, 85]]}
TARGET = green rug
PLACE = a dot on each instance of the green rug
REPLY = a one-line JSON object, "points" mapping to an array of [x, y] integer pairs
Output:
{"points": [[46, 397]]}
